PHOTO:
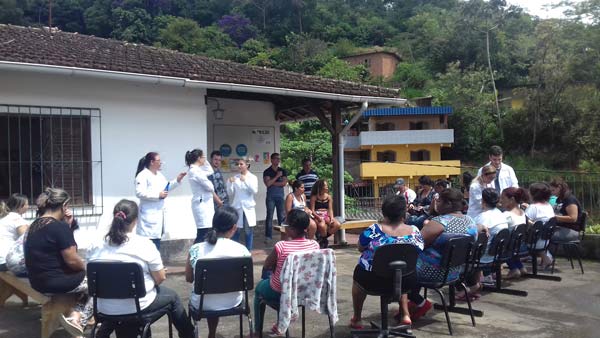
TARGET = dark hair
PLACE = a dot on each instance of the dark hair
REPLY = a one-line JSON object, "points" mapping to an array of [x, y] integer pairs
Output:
{"points": [[540, 192], [124, 214], [16, 201], [557, 182], [520, 195], [225, 218], [467, 178], [51, 199], [426, 180], [450, 200], [305, 160], [144, 162], [273, 155], [495, 151], [394, 208], [192, 156], [490, 197], [215, 153], [317, 187], [441, 183], [296, 184], [298, 220]]}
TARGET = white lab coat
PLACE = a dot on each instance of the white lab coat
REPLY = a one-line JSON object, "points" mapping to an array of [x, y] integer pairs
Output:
{"points": [[507, 177], [202, 194], [243, 197], [152, 208]]}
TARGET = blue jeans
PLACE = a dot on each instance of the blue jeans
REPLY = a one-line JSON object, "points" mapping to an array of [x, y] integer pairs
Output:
{"points": [[263, 291], [248, 234], [156, 242], [272, 203]]}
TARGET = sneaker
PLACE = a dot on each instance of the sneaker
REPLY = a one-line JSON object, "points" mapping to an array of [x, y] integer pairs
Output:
{"points": [[420, 311]]}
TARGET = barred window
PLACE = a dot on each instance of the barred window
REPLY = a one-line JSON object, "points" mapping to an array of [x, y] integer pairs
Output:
{"points": [[420, 155], [48, 147]]}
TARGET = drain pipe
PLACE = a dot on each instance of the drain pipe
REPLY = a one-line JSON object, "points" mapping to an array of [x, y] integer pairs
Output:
{"points": [[363, 108]]}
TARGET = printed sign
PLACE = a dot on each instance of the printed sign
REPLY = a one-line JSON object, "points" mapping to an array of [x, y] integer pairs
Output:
{"points": [[225, 150], [262, 136], [241, 150], [266, 158]]}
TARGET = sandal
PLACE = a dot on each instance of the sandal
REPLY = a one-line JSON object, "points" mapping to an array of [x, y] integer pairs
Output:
{"points": [[71, 326], [354, 324]]}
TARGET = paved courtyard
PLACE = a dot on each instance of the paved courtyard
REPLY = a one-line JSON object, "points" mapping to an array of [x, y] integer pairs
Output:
{"points": [[570, 308]]}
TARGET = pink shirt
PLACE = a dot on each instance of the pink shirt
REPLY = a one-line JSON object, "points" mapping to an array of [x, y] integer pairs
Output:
{"points": [[283, 249]]}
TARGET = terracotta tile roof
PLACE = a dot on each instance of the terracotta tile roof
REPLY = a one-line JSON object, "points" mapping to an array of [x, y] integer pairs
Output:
{"points": [[35, 45]]}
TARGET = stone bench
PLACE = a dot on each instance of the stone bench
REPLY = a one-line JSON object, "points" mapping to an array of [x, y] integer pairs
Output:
{"points": [[52, 307], [340, 236]]}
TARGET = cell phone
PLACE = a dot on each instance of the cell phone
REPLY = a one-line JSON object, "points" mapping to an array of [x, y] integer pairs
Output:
{"points": [[167, 187]]}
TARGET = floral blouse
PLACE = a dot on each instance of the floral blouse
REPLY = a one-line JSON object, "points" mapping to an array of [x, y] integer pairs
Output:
{"points": [[373, 237]]}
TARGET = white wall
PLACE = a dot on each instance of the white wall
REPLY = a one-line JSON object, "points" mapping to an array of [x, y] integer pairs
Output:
{"points": [[136, 118], [245, 113]]}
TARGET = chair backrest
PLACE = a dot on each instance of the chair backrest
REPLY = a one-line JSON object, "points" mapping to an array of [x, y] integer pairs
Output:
{"points": [[457, 251], [548, 229], [115, 280], [583, 222], [221, 275], [386, 254], [477, 252], [499, 242], [535, 233], [518, 236]]}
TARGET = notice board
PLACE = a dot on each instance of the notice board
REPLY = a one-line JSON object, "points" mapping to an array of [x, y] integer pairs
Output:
{"points": [[254, 142]]}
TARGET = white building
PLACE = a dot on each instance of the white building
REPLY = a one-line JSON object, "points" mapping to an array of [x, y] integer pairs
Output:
{"points": [[79, 112]]}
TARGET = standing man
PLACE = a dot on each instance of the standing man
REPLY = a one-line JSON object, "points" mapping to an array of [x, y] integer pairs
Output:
{"points": [[402, 189], [307, 176], [275, 178], [505, 175], [220, 194]]}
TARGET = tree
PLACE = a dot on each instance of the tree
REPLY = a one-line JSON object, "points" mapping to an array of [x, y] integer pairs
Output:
{"points": [[10, 12], [342, 70], [238, 28]]}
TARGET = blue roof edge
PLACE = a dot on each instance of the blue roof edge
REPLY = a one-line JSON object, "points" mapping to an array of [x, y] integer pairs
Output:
{"points": [[442, 110]]}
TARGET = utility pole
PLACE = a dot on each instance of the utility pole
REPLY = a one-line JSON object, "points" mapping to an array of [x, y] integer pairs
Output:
{"points": [[50, 15]]}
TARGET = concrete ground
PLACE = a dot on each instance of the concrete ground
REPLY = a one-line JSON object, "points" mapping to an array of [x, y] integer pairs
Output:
{"points": [[570, 308]]}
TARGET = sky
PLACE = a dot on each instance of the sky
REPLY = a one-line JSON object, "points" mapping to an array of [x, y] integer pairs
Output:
{"points": [[536, 7]]}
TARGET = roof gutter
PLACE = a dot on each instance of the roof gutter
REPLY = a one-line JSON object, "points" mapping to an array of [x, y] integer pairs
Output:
{"points": [[184, 82]]}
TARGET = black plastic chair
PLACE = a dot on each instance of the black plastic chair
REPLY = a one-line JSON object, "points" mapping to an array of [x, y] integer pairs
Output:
{"points": [[540, 231], [222, 275], [573, 246], [454, 256], [119, 280], [394, 261], [498, 250], [275, 305]]}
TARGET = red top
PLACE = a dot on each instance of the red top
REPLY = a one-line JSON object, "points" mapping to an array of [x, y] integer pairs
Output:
{"points": [[283, 249]]}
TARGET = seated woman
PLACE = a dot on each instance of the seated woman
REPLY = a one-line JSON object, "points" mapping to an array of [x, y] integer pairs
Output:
{"points": [[391, 231], [484, 180], [123, 245], [419, 209], [540, 210], [53, 265], [297, 223], [12, 225], [218, 244], [436, 234], [511, 200], [569, 212], [321, 205], [296, 200], [490, 221]]}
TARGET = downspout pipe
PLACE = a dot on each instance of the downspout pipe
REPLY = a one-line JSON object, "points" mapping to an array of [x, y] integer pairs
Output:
{"points": [[342, 193]]}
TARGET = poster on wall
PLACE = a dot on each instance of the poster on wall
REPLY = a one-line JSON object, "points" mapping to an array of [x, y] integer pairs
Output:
{"points": [[252, 142]]}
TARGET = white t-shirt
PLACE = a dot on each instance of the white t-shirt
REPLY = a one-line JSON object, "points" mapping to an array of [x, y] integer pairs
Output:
{"points": [[540, 212], [223, 248], [8, 233], [139, 250], [494, 220], [514, 219]]}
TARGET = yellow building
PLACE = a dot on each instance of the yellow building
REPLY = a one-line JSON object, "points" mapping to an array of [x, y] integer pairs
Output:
{"points": [[401, 142]]}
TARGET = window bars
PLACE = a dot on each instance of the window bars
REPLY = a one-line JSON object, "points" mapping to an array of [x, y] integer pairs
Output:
{"points": [[44, 146]]}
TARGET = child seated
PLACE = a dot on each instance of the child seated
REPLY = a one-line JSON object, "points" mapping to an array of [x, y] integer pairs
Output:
{"points": [[270, 289]]}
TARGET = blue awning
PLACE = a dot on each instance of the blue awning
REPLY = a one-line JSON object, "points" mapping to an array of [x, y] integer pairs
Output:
{"points": [[408, 111]]}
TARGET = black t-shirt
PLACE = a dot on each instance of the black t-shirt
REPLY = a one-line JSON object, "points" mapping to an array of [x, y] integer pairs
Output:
{"points": [[275, 191], [570, 200], [48, 272]]}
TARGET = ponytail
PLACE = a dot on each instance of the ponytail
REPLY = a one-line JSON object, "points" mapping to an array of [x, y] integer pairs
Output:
{"points": [[144, 162], [192, 156], [3, 209], [224, 220], [125, 213]]}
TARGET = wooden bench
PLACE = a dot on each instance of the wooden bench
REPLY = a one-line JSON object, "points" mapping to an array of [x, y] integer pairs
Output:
{"points": [[340, 236], [52, 307]]}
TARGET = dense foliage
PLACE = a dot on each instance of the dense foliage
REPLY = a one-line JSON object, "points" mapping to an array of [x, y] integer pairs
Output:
{"points": [[458, 51]]}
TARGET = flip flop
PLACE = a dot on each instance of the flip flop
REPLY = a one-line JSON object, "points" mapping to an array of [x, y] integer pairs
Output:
{"points": [[354, 324]]}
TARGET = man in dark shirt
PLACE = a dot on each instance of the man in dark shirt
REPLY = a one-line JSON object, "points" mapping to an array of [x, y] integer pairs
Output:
{"points": [[220, 194], [307, 176], [275, 178]]}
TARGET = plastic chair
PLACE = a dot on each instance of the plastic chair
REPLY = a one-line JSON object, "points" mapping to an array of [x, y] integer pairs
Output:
{"points": [[572, 246], [391, 261], [306, 256], [222, 275], [119, 280]]}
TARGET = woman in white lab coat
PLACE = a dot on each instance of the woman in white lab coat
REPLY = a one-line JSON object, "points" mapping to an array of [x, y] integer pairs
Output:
{"points": [[151, 187], [244, 187], [202, 192]]}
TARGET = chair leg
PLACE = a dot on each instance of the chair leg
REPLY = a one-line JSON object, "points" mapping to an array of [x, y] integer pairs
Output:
{"points": [[384, 319], [425, 293], [577, 250], [93, 332], [145, 331], [445, 309], [468, 302], [250, 326], [534, 269], [170, 325], [196, 329], [303, 322], [568, 248], [261, 320], [241, 326], [331, 327]]}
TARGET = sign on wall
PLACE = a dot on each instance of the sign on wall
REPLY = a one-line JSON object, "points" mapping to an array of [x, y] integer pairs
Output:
{"points": [[253, 142]]}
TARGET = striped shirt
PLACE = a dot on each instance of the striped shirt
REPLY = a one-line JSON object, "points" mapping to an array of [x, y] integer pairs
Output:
{"points": [[308, 180], [283, 249]]}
